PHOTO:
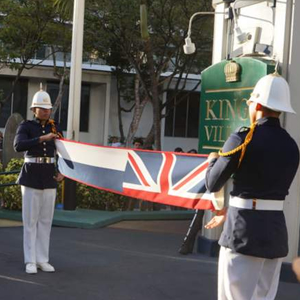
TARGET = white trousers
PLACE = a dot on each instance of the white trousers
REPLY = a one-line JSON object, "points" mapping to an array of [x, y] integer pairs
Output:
{"points": [[243, 277], [37, 213]]}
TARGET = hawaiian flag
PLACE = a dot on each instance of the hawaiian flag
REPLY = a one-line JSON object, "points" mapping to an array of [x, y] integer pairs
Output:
{"points": [[163, 177]]}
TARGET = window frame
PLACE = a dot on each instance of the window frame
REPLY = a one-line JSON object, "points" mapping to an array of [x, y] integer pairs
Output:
{"points": [[172, 114]]}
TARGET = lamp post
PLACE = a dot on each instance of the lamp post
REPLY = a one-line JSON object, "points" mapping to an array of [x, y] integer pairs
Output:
{"points": [[74, 94], [189, 47]]}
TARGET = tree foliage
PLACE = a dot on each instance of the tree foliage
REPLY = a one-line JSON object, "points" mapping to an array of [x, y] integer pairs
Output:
{"points": [[27, 26], [23, 29], [150, 62], [113, 31]]}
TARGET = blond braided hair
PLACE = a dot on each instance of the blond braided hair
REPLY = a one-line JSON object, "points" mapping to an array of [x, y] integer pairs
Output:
{"points": [[241, 147]]}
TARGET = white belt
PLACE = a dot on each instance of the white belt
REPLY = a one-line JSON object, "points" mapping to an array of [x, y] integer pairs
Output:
{"points": [[256, 204], [40, 160]]}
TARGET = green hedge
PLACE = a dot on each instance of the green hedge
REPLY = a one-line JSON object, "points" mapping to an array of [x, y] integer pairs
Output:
{"points": [[10, 196], [91, 198]]}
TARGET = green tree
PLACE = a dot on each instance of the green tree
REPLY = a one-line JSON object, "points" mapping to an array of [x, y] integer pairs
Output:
{"points": [[113, 26], [22, 32], [112, 32]]}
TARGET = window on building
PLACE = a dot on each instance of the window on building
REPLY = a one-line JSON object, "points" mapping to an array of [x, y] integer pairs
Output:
{"points": [[17, 103], [61, 115], [182, 114]]}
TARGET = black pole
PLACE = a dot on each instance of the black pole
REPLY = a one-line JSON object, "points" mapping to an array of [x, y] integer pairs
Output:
{"points": [[189, 240], [69, 194]]}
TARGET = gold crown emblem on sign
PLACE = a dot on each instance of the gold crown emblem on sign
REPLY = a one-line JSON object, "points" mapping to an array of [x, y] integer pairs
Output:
{"points": [[232, 71]]}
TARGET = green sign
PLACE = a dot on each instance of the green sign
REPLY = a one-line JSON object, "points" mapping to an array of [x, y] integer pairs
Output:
{"points": [[223, 105]]}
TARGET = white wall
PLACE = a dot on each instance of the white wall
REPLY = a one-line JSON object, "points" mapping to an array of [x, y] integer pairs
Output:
{"points": [[98, 81], [95, 134], [170, 143], [271, 21], [101, 106]]}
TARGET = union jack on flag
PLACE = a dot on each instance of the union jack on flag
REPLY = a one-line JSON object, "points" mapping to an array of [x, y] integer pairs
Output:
{"points": [[163, 177], [168, 178]]}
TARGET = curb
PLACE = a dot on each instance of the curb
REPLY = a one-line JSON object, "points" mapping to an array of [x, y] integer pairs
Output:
{"points": [[88, 219]]}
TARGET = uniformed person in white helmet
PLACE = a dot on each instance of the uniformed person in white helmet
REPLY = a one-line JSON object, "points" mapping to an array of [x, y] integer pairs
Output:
{"points": [[38, 179], [263, 161]]}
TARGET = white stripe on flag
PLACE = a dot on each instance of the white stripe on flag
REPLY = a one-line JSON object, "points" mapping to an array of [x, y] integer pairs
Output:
{"points": [[108, 158]]}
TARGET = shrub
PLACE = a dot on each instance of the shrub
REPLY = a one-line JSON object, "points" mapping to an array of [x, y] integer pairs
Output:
{"points": [[11, 195], [91, 198], [15, 164]]}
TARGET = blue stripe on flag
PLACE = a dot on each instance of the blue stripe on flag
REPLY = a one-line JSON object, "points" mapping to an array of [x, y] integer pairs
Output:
{"points": [[94, 176]]}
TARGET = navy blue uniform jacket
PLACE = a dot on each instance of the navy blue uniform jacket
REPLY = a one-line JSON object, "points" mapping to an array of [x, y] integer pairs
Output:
{"points": [[35, 175], [266, 172]]}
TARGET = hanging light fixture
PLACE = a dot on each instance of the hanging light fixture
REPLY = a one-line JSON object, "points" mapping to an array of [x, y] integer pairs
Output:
{"points": [[189, 47]]}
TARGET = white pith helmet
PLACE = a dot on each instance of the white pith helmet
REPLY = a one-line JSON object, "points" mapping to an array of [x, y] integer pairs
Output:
{"points": [[41, 99], [273, 92]]}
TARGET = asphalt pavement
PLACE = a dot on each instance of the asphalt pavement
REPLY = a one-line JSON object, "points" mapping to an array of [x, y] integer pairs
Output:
{"points": [[129, 261]]}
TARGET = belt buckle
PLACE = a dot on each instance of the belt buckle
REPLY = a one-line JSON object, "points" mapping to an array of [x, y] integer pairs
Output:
{"points": [[47, 160], [254, 202]]}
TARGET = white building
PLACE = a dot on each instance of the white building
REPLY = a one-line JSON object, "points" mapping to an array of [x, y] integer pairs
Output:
{"points": [[99, 110]]}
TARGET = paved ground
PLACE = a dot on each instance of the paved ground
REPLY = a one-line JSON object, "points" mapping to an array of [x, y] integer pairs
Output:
{"points": [[127, 261]]}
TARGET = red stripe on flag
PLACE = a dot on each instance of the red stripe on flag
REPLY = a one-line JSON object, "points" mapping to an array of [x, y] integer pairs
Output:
{"points": [[164, 176], [198, 171], [138, 170], [170, 200]]}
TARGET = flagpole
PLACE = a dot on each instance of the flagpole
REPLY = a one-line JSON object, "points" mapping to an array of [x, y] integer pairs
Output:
{"points": [[74, 94], [76, 71]]}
